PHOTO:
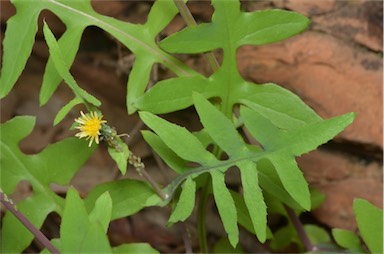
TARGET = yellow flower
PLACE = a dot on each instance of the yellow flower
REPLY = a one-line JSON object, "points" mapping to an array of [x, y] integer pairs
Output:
{"points": [[89, 126]]}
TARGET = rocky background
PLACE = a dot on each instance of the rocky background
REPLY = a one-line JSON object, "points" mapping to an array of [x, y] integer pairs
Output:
{"points": [[335, 67]]}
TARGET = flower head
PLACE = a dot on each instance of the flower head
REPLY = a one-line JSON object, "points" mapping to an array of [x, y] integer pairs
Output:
{"points": [[89, 126]]}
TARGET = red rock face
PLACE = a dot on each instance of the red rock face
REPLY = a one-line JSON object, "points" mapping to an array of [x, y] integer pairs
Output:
{"points": [[335, 67]]}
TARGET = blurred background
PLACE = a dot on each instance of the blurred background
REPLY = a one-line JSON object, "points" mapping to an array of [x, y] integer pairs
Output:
{"points": [[335, 67]]}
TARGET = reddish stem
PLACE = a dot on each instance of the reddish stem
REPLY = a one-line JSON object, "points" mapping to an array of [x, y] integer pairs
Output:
{"points": [[24, 220]]}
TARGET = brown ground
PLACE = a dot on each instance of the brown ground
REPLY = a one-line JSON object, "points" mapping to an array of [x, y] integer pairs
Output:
{"points": [[335, 67]]}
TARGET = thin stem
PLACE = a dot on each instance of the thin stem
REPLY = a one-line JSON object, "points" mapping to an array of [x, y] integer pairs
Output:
{"points": [[24, 220], [140, 168], [299, 229], [201, 216], [190, 21], [154, 184], [186, 237]]}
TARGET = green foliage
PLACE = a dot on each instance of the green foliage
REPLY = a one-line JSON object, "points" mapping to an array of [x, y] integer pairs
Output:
{"points": [[90, 228], [370, 222], [280, 150], [185, 204], [59, 62], [347, 240], [128, 196], [140, 39], [39, 170], [224, 246], [278, 120]]}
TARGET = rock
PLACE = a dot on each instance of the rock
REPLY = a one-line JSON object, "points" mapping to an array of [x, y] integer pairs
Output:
{"points": [[359, 21], [331, 76], [341, 179], [309, 8]]}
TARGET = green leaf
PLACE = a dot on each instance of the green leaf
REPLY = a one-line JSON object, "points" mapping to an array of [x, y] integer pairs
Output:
{"points": [[316, 234], [270, 182], [186, 202], [282, 146], [243, 217], [317, 198], [347, 240], [69, 43], [138, 80], [128, 196], [78, 234], [370, 222], [15, 236], [40, 170], [172, 94], [254, 198], [60, 64], [77, 15], [101, 213], [135, 248], [230, 28], [56, 242], [161, 14], [65, 110], [282, 238], [120, 154], [237, 28], [225, 206], [219, 127], [280, 106], [292, 179], [179, 139], [168, 156], [18, 41], [224, 246]]}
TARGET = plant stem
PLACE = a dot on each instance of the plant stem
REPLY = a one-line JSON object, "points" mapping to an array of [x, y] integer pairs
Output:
{"points": [[190, 21], [204, 194], [140, 168], [201, 216], [24, 220], [299, 229]]}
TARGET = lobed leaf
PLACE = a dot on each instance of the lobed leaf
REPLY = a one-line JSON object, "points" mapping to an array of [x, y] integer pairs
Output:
{"points": [[40, 170], [77, 15], [276, 172], [238, 28]]}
